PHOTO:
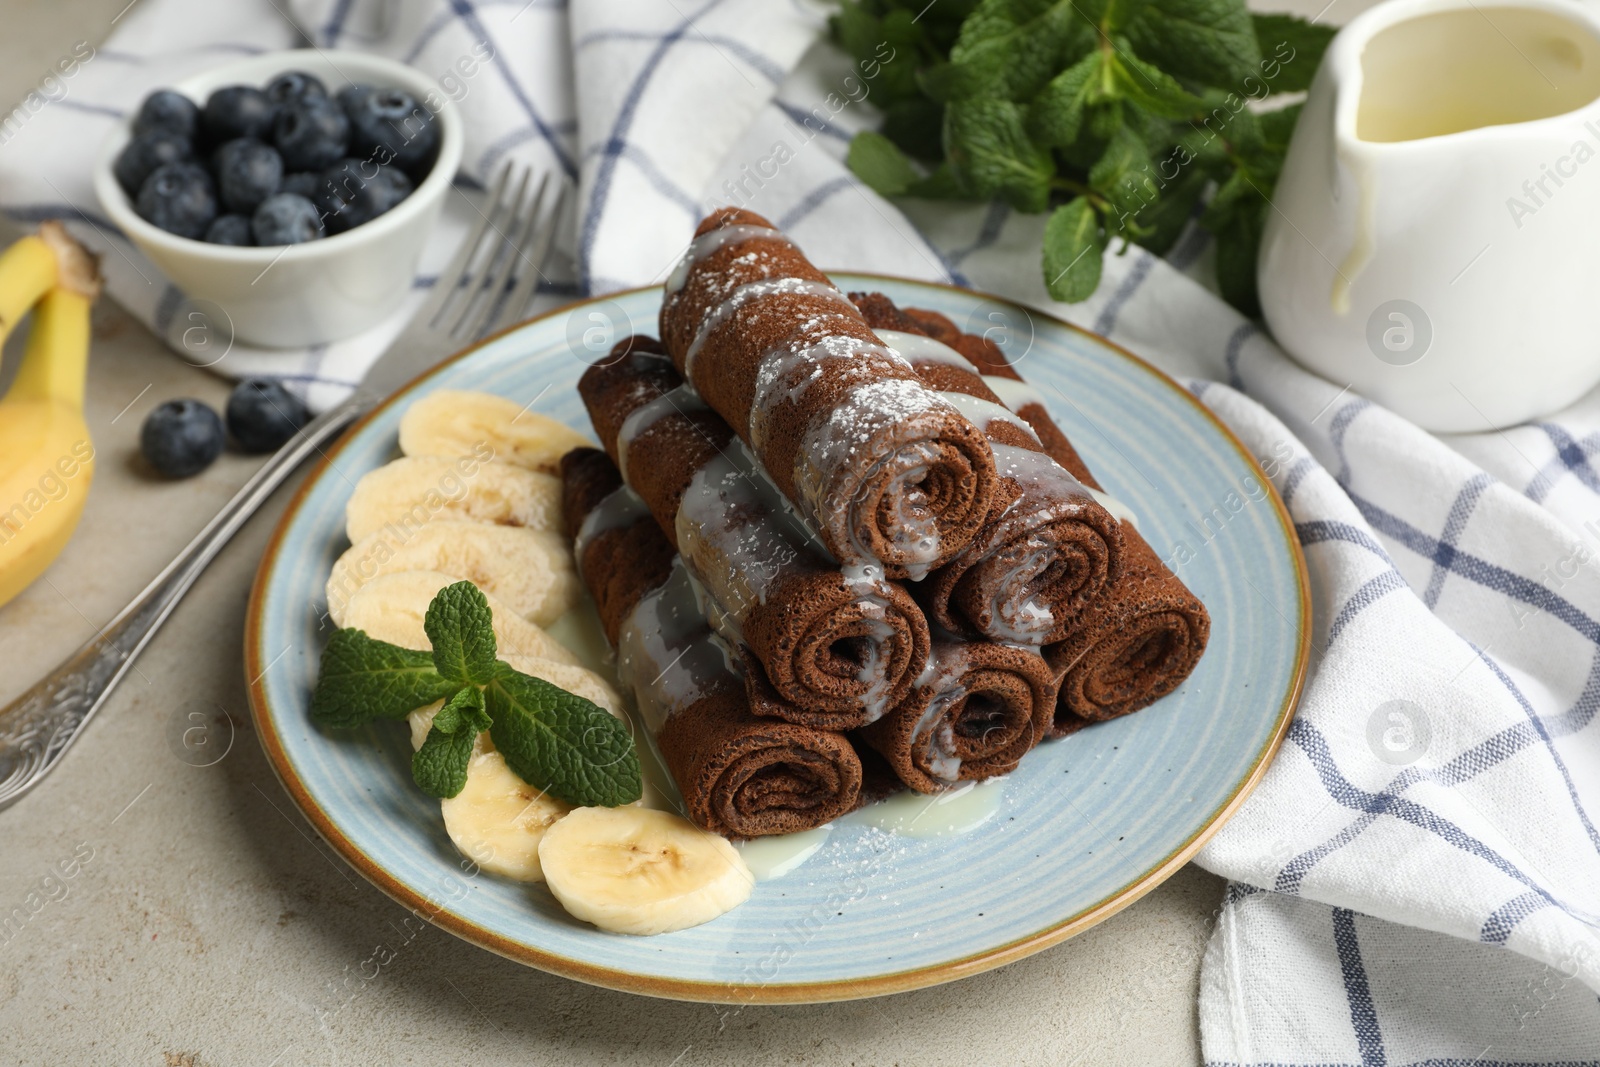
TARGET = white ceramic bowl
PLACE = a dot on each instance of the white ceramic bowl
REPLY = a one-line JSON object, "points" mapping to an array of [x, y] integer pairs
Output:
{"points": [[309, 293]]}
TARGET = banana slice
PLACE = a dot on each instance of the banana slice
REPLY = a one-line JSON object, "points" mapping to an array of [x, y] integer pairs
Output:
{"points": [[421, 721], [417, 489], [636, 871], [497, 820], [530, 570], [454, 423], [392, 608]]}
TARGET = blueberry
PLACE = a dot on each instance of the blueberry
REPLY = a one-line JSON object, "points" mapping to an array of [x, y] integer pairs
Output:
{"points": [[355, 191], [168, 111], [347, 96], [229, 230], [147, 151], [181, 438], [311, 134], [304, 183], [263, 415], [294, 85], [179, 198], [237, 111], [247, 173], [389, 126], [286, 219]]}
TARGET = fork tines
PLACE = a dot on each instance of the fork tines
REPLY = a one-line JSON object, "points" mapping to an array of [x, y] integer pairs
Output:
{"points": [[494, 273]]}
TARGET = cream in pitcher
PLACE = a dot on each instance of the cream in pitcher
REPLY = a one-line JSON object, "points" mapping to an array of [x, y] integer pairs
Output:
{"points": [[1433, 241]]}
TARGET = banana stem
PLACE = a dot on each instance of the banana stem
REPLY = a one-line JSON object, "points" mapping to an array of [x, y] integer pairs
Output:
{"points": [[56, 360]]}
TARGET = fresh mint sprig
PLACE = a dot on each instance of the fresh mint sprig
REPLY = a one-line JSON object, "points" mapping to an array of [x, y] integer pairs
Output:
{"points": [[1116, 116], [552, 739]]}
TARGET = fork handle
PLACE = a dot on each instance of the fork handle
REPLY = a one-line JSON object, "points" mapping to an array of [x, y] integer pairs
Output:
{"points": [[39, 726]]}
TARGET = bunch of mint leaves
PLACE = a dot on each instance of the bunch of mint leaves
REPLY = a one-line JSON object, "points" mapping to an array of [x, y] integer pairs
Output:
{"points": [[552, 739], [1116, 116]]}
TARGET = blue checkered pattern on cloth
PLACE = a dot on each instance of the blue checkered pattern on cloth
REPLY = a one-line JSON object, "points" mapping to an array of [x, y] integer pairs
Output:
{"points": [[1417, 879]]}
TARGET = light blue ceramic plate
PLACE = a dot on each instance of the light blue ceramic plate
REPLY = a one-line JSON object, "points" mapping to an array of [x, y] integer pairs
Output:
{"points": [[1085, 827]]}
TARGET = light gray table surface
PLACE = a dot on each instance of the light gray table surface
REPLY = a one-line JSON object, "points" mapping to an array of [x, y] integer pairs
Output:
{"points": [[213, 927]]}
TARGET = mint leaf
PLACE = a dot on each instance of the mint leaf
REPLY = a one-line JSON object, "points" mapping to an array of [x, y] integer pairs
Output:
{"points": [[1212, 42], [1236, 216], [1291, 49], [559, 742], [461, 627], [917, 127], [1073, 245], [877, 161], [464, 712], [439, 767], [1011, 48], [942, 184], [1123, 174], [1163, 222], [1237, 245], [1150, 87], [1056, 114], [991, 153], [363, 679]]}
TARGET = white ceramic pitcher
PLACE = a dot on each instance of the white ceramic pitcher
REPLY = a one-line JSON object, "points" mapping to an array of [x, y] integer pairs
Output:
{"points": [[1434, 240]]}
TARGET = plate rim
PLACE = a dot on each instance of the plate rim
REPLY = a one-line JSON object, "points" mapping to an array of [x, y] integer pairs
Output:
{"points": [[779, 992]]}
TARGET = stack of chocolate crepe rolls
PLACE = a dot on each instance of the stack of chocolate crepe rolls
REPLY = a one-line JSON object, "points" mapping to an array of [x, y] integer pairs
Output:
{"points": [[740, 774], [859, 536], [822, 645], [1139, 641]]}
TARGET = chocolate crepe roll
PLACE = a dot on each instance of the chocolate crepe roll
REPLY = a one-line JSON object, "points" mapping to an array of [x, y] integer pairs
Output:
{"points": [[837, 650], [887, 472], [740, 775], [976, 711], [1145, 636], [1047, 550]]}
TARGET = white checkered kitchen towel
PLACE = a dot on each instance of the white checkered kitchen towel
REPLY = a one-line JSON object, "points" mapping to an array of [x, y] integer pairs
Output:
{"points": [[1417, 880]]}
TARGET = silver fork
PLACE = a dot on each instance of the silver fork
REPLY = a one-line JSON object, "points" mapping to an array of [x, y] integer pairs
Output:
{"points": [[484, 289]]}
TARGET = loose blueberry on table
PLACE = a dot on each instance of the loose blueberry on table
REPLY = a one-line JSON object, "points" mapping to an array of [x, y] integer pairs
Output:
{"points": [[275, 166], [263, 415], [181, 438]]}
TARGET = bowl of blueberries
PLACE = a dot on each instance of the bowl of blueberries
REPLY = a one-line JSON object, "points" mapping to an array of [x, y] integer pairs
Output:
{"points": [[287, 196]]}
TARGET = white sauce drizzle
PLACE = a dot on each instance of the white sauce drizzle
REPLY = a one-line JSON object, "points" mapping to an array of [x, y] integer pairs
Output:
{"points": [[709, 242], [777, 381], [1016, 395], [735, 539], [665, 652], [981, 413], [1044, 482], [620, 507], [1012, 393], [775, 856], [850, 427], [1119, 511], [955, 811], [919, 348], [679, 401], [935, 734], [754, 291]]}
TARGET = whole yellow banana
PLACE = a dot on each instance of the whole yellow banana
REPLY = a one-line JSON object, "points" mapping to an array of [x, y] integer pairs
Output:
{"points": [[46, 455]]}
